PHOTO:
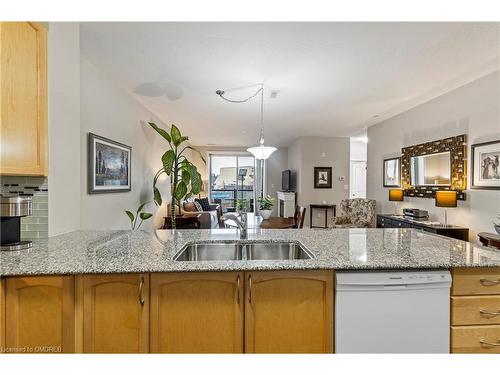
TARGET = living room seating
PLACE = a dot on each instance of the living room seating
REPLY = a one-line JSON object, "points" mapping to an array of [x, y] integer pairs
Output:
{"points": [[209, 219], [355, 213]]}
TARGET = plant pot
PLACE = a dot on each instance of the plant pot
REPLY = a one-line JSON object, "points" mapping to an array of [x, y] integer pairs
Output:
{"points": [[265, 214]]}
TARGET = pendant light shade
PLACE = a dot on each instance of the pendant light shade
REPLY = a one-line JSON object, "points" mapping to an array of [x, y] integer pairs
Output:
{"points": [[261, 152]]}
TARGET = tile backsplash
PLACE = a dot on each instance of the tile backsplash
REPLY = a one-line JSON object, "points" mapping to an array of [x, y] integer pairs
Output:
{"points": [[37, 225]]}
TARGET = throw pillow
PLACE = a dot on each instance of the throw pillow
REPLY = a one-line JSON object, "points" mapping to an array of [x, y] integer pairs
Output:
{"points": [[205, 204], [199, 208]]}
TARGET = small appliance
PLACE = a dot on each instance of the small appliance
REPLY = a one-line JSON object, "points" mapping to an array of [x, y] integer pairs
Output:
{"points": [[12, 208], [415, 214]]}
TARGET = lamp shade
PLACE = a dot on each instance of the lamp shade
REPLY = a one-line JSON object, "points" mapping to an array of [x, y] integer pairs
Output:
{"points": [[446, 198], [396, 195], [261, 151]]}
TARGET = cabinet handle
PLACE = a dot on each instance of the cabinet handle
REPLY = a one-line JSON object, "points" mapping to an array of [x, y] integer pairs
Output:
{"points": [[489, 313], [141, 286], [238, 286], [486, 343], [488, 282], [249, 288]]}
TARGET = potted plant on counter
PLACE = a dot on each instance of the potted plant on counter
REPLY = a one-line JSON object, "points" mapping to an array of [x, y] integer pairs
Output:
{"points": [[266, 205], [185, 180]]}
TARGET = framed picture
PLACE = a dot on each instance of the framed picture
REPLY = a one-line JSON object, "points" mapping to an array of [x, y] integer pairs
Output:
{"points": [[392, 172], [322, 177], [485, 160], [109, 165]]}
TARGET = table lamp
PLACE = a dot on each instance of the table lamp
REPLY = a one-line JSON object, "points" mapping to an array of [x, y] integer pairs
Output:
{"points": [[396, 195], [446, 199]]}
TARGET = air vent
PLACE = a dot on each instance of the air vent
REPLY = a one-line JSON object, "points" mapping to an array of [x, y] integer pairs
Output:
{"points": [[274, 94]]}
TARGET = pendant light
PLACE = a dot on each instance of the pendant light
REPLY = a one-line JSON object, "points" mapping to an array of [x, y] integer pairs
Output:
{"points": [[260, 151]]}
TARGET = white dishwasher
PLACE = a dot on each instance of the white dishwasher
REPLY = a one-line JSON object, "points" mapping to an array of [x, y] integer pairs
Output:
{"points": [[392, 312]]}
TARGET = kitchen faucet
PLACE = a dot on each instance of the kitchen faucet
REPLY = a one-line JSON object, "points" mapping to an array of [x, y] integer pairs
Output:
{"points": [[241, 222]]}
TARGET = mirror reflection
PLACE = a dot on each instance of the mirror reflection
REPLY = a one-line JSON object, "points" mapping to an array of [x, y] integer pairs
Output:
{"points": [[433, 169]]}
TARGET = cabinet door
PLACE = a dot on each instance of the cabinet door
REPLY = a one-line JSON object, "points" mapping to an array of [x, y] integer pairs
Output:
{"points": [[115, 313], [39, 315], [289, 312], [2, 313], [197, 313], [23, 98]]}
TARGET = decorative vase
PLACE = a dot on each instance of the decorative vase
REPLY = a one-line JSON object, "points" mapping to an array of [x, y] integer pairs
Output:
{"points": [[265, 214]]}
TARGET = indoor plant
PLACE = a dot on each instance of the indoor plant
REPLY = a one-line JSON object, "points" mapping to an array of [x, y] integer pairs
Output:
{"points": [[139, 214], [185, 180], [266, 207]]}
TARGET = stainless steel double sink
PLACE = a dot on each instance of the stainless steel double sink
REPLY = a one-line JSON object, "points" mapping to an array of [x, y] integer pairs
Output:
{"points": [[243, 251]]}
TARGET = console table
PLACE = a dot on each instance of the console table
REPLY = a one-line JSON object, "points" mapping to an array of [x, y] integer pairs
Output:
{"points": [[393, 221], [325, 208]]}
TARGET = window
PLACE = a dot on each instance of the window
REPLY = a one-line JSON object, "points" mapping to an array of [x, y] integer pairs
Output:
{"points": [[232, 177]]}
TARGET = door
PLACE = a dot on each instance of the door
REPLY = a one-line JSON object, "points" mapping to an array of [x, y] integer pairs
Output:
{"points": [[39, 315], [289, 312], [115, 313], [23, 98], [232, 177], [197, 313], [358, 179]]}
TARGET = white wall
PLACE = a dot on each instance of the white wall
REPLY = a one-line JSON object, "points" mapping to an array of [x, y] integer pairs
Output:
{"points": [[109, 111], [64, 127], [473, 109], [305, 154]]}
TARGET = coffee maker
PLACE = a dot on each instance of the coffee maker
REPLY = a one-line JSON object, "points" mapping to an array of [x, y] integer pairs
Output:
{"points": [[12, 208]]}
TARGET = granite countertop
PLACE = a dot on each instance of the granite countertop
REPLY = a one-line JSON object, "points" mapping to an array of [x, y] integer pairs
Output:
{"points": [[85, 252]]}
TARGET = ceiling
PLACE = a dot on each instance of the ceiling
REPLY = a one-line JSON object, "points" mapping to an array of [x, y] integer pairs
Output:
{"points": [[335, 79]]}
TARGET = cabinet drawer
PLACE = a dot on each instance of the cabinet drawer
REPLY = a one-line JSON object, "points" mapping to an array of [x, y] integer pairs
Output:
{"points": [[468, 281], [475, 310], [468, 339]]}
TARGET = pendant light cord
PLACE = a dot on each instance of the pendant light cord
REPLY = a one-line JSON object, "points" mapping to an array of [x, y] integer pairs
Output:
{"points": [[222, 92], [261, 91]]}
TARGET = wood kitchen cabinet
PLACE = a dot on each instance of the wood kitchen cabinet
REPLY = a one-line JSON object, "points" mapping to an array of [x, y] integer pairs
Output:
{"points": [[115, 313], [289, 312], [475, 308], [23, 98], [2, 313], [197, 312], [39, 314]]}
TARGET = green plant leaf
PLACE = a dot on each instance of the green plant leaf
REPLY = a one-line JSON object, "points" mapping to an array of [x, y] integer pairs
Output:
{"points": [[183, 139], [168, 160], [196, 182], [188, 195], [180, 191], [186, 176], [141, 207], [176, 136], [130, 215], [197, 151], [160, 131], [157, 196], [145, 215]]}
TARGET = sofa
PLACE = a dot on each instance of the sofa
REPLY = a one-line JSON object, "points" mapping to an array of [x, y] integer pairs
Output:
{"points": [[355, 213], [209, 219]]}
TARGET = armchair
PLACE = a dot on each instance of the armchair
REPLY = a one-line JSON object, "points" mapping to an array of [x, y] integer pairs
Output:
{"points": [[355, 213]]}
